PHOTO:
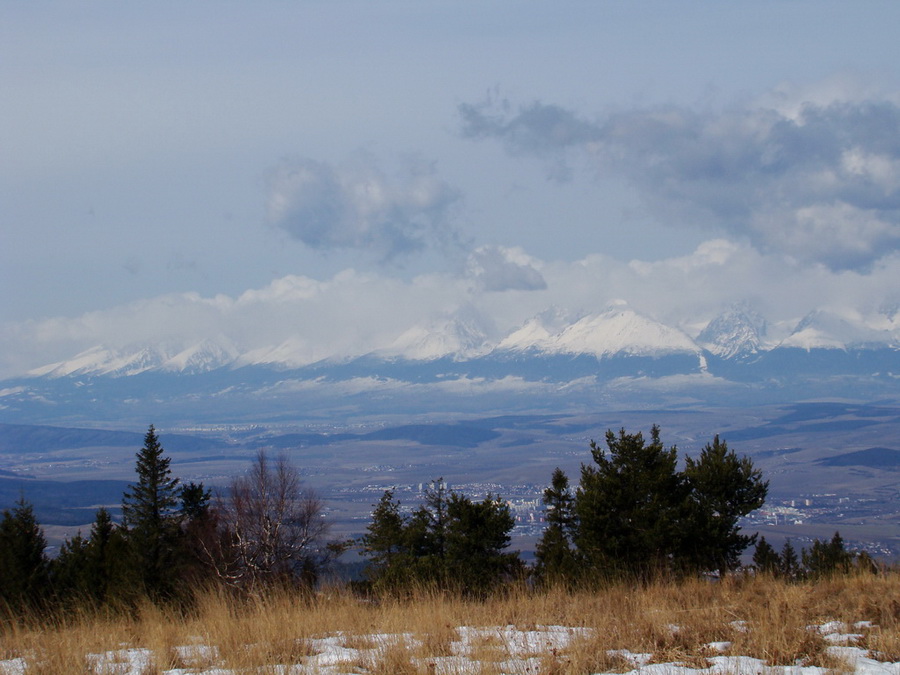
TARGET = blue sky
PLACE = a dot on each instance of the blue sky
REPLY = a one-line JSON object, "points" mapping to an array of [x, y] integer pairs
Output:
{"points": [[450, 157]]}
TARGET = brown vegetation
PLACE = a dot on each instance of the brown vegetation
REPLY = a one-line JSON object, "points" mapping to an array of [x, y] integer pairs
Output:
{"points": [[760, 617]]}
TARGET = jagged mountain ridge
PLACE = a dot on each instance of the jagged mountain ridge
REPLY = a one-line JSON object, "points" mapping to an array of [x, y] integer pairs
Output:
{"points": [[619, 332]]}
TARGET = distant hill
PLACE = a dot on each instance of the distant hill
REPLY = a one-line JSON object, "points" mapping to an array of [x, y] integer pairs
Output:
{"points": [[874, 458], [19, 438], [62, 502]]}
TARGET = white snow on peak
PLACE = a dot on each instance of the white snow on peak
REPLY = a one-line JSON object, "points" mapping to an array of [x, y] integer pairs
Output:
{"points": [[538, 332], [454, 336], [101, 360], [622, 330], [204, 356], [617, 330], [294, 352], [824, 329], [736, 332]]}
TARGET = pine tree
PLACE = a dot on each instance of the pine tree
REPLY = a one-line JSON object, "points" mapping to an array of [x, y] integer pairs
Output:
{"points": [[385, 540], [721, 488], [195, 500], [149, 510], [449, 542], [827, 558], [628, 505], [554, 555], [93, 568], [107, 558], [476, 535], [765, 558], [24, 568], [69, 569], [788, 563]]}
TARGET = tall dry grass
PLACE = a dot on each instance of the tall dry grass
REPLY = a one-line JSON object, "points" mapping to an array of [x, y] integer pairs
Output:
{"points": [[761, 617]]}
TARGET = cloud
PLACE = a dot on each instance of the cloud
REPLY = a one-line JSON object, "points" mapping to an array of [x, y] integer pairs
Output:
{"points": [[503, 269], [301, 320], [545, 131], [357, 205], [816, 181]]}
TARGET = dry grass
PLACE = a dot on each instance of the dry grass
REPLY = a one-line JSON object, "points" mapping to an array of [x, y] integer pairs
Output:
{"points": [[672, 622]]}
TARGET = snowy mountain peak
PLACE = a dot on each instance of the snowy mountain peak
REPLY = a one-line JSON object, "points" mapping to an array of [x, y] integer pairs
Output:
{"points": [[538, 331], [617, 330], [620, 330], [101, 360], [202, 357], [450, 337], [824, 329], [736, 333]]}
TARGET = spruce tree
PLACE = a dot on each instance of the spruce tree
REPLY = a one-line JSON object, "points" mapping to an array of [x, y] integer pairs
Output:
{"points": [[554, 554], [149, 510], [449, 542], [24, 568], [827, 558], [765, 558], [195, 500], [69, 570], [385, 540], [788, 562]]}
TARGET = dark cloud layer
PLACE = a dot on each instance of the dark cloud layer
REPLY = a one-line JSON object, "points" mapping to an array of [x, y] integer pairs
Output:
{"points": [[821, 185], [358, 205]]}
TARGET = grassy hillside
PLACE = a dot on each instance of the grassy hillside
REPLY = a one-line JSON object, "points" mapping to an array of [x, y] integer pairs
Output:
{"points": [[335, 631]]}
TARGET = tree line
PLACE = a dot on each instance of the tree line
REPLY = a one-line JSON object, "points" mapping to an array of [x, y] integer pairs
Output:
{"points": [[265, 529], [633, 514], [822, 559]]}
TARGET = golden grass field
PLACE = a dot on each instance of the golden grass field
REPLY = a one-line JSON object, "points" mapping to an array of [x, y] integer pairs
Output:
{"points": [[762, 618]]}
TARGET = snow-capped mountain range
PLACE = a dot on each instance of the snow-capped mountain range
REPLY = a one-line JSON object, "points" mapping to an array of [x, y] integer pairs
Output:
{"points": [[553, 361], [737, 335]]}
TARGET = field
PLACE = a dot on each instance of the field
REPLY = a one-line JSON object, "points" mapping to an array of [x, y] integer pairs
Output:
{"points": [[738, 625]]}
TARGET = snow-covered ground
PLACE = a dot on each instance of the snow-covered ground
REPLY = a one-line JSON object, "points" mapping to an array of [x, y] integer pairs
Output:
{"points": [[495, 650]]}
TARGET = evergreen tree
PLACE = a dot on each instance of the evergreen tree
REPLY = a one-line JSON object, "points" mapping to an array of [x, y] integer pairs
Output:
{"points": [[69, 569], [554, 554], [449, 541], [199, 524], [94, 568], [636, 515], [628, 505], [149, 510], [865, 563], [721, 489], [765, 558], [385, 540], [24, 568], [827, 558], [476, 535], [788, 563], [195, 501], [107, 558]]}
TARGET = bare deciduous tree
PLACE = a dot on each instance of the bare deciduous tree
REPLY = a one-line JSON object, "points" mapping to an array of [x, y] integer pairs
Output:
{"points": [[272, 528]]}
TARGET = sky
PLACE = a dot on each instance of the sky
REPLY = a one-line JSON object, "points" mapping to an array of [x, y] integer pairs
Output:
{"points": [[334, 175]]}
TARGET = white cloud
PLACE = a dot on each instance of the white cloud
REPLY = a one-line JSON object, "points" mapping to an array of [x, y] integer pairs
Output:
{"points": [[299, 319]]}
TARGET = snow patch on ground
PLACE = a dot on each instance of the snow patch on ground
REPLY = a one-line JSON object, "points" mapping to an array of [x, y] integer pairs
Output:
{"points": [[518, 652]]}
